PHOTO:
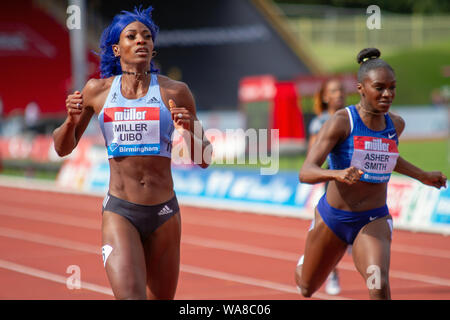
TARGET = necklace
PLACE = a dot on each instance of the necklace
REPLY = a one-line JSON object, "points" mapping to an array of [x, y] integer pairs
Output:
{"points": [[369, 112], [135, 73]]}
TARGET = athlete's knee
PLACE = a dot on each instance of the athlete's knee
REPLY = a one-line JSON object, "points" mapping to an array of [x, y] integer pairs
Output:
{"points": [[131, 291], [380, 294], [168, 295], [162, 291], [378, 285]]}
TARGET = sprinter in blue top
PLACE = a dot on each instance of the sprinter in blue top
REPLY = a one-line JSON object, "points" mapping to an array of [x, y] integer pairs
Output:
{"points": [[138, 110], [361, 141]]}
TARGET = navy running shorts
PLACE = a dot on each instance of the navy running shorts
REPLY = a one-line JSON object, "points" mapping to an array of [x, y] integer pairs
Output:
{"points": [[146, 219], [347, 224]]}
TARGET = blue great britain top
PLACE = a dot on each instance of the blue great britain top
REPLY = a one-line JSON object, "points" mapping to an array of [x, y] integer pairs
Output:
{"points": [[374, 152], [136, 127]]}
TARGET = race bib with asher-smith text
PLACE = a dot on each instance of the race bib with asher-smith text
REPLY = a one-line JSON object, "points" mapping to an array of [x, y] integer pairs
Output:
{"points": [[375, 156], [132, 131]]}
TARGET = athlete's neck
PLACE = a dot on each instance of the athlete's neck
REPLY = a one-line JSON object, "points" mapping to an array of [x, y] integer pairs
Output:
{"points": [[135, 85], [366, 110]]}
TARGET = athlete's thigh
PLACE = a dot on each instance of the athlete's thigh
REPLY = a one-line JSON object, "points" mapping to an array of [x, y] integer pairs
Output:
{"points": [[162, 254], [323, 250], [371, 248], [125, 264]]}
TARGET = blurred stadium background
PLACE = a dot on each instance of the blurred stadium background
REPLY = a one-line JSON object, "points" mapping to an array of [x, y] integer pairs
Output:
{"points": [[249, 63], [222, 48]]}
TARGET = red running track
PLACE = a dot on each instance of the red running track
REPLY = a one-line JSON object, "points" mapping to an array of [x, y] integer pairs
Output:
{"points": [[225, 255]]}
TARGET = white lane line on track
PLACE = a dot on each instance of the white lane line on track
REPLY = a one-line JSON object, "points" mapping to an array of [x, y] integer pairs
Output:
{"points": [[94, 224], [45, 216], [214, 244], [37, 273], [288, 256], [291, 233], [74, 245], [237, 247], [253, 281], [48, 186], [50, 241], [87, 223]]}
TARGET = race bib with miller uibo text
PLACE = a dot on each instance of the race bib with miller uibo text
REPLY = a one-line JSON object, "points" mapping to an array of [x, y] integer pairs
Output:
{"points": [[375, 156], [132, 131]]}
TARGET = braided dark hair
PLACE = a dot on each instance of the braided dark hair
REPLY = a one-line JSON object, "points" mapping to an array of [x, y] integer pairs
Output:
{"points": [[369, 59]]}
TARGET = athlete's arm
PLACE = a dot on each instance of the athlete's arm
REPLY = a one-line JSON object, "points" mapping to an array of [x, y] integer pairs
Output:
{"points": [[431, 178], [67, 136], [334, 131], [182, 101]]}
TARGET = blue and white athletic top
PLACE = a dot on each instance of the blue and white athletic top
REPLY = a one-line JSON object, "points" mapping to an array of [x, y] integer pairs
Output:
{"points": [[374, 152], [136, 127]]}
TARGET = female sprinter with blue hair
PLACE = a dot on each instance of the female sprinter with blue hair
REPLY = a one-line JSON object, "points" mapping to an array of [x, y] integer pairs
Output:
{"points": [[361, 141], [138, 110]]}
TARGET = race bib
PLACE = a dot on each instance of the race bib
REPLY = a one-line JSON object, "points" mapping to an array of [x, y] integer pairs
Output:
{"points": [[132, 131], [375, 156]]}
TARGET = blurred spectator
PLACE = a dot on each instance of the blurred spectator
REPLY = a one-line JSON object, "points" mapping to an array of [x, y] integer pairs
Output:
{"points": [[329, 99]]}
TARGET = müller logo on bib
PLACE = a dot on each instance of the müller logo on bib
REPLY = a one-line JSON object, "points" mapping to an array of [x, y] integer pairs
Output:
{"points": [[131, 114], [375, 144], [376, 156]]}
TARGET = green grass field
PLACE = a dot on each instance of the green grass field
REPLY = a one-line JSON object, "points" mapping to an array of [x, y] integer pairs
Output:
{"points": [[428, 155]]}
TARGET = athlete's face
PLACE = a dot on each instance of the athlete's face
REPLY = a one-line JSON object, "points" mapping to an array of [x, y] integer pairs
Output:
{"points": [[334, 96], [135, 44], [378, 89]]}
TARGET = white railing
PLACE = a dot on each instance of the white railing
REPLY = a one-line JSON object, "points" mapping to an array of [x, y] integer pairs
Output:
{"points": [[396, 30]]}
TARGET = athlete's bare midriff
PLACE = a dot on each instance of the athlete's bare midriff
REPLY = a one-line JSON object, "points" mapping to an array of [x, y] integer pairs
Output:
{"points": [[143, 180], [361, 196]]}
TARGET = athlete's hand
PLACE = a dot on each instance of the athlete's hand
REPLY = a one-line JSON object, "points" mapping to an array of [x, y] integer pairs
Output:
{"points": [[74, 106], [182, 118], [349, 176], [435, 179]]}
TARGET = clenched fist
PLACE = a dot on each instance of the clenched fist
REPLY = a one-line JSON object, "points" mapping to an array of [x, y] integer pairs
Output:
{"points": [[74, 106], [350, 175]]}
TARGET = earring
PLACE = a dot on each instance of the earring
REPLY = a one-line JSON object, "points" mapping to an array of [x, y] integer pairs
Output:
{"points": [[154, 53]]}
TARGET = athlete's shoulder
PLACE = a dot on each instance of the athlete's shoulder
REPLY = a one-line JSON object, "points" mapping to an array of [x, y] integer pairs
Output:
{"points": [[340, 123], [95, 92], [172, 85], [341, 116], [398, 121], [176, 90], [395, 117], [96, 86]]}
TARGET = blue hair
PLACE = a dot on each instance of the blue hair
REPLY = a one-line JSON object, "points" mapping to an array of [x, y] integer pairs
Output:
{"points": [[110, 64]]}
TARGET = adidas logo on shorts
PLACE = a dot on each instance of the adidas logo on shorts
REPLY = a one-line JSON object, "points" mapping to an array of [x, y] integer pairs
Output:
{"points": [[165, 210]]}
